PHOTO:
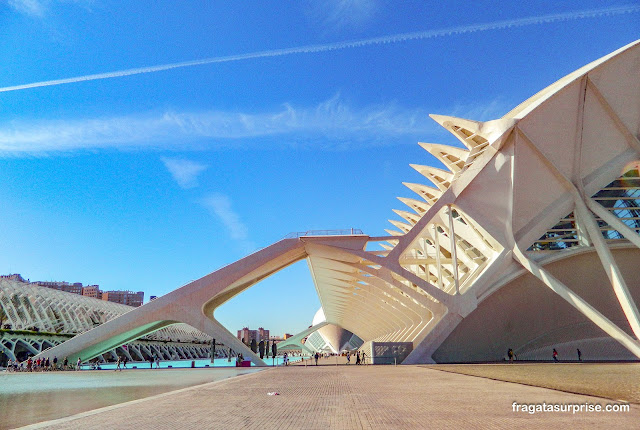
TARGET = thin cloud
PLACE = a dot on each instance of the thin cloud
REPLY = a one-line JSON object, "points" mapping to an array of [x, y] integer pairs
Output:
{"points": [[185, 172], [39, 8], [486, 111], [309, 49], [34, 8], [339, 14], [219, 205], [331, 121]]}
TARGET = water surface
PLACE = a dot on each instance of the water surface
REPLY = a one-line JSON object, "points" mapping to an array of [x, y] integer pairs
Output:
{"points": [[218, 362], [27, 398]]}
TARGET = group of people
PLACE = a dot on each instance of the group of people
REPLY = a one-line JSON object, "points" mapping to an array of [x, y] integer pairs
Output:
{"points": [[123, 362], [554, 354], [360, 359], [39, 365], [360, 356], [239, 359], [46, 365]]}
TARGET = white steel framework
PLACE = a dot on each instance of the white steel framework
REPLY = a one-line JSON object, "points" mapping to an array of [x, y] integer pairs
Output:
{"points": [[40, 318], [554, 179]]}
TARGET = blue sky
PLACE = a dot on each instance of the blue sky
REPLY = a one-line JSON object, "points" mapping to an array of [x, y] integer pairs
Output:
{"points": [[149, 180]]}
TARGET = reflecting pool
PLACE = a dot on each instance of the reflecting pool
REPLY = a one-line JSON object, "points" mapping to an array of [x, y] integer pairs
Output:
{"points": [[218, 362], [27, 398]]}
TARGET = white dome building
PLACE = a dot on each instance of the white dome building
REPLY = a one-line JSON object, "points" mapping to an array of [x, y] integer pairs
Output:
{"points": [[331, 338]]}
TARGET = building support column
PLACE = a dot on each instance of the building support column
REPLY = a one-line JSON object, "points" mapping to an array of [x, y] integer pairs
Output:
{"points": [[436, 242], [614, 222], [578, 302], [610, 267], [454, 253]]}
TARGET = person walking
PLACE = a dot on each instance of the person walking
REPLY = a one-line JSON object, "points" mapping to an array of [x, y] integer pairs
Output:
{"points": [[579, 354], [124, 362], [65, 363], [510, 354], [363, 356], [316, 356], [118, 365], [348, 357], [357, 357], [78, 364], [555, 355]]}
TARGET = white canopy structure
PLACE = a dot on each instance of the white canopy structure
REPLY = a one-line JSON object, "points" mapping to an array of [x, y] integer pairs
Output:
{"points": [[526, 239], [40, 318]]}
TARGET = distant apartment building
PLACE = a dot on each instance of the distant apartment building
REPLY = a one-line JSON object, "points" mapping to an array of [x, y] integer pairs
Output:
{"points": [[75, 288], [124, 297], [67, 287], [92, 291], [13, 277], [287, 336], [246, 335]]}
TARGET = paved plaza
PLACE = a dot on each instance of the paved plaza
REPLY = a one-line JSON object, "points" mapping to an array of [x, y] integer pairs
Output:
{"points": [[617, 381], [349, 397]]}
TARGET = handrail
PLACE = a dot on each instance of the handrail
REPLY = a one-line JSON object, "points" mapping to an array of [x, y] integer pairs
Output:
{"points": [[343, 232]]}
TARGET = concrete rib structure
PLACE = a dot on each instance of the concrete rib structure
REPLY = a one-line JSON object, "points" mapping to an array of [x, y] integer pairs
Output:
{"points": [[491, 256], [37, 318]]}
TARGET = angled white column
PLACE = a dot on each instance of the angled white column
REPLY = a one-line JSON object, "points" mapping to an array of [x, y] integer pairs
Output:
{"points": [[454, 253], [578, 302], [436, 242], [610, 267], [614, 222]]}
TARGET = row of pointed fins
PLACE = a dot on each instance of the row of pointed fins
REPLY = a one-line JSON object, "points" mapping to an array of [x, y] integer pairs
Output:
{"points": [[455, 159]]}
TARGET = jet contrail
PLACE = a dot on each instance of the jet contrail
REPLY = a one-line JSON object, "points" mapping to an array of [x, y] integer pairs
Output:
{"points": [[308, 49]]}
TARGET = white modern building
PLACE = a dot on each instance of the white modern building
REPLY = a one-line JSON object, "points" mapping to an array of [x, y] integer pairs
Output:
{"points": [[526, 238], [35, 318], [328, 339]]}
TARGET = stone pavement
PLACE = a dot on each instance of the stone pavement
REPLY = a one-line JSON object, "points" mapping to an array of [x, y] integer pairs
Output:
{"points": [[349, 397], [322, 361], [618, 381]]}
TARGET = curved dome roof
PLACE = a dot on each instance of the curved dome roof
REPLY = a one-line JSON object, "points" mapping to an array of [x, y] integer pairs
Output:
{"points": [[537, 99]]}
